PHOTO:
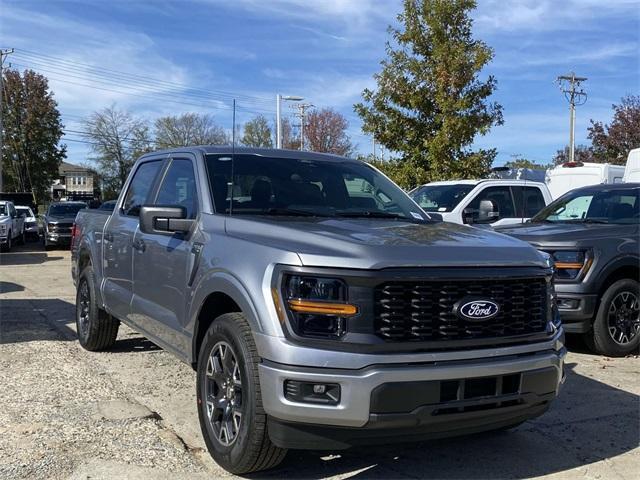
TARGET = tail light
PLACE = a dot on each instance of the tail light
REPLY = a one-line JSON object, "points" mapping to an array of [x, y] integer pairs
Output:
{"points": [[74, 232]]}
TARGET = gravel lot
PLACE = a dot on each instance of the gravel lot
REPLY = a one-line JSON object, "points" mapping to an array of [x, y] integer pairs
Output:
{"points": [[131, 412]]}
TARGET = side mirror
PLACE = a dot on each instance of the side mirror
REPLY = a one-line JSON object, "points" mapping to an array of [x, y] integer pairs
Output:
{"points": [[164, 219], [487, 212], [467, 216]]}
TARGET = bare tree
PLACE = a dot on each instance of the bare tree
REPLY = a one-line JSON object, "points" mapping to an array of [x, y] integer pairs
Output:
{"points": [[189, 129], [117, 140], [326, 131], [289, 139]]}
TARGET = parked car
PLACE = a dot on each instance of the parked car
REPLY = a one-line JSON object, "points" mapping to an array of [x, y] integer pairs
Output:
{"points": [[319, 305], [11, 226], [570, 175], [57, 223], [593, 235], [492, 202], [31, 228], [632, 168]]}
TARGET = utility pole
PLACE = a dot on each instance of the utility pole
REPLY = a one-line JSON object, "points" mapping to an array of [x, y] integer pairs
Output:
{"points": [[302, 109], [3, 53], [374, 147], [575, 95]]}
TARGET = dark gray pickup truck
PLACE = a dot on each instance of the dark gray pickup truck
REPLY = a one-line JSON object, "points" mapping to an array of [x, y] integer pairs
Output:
{"points": [[321, 307], [593, 234]]}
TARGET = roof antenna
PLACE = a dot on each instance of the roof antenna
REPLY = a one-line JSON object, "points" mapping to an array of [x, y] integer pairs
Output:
{"points": [[233, 157]]}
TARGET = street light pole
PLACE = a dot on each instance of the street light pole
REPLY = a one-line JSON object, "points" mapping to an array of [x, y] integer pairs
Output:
{"points": [[279, 99]]}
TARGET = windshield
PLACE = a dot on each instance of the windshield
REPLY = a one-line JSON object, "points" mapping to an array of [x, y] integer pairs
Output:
{"points": [[440, 198], [620, 206], [66, 210], [297, 187], [24, 211]]}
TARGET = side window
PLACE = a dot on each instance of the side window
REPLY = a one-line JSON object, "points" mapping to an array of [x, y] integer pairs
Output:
{"points": [[501, 203], [179, 187], [139, 187], [530, 204]]}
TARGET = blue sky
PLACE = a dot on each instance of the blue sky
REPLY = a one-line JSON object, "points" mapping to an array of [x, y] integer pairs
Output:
{"points": [[197, 55]]}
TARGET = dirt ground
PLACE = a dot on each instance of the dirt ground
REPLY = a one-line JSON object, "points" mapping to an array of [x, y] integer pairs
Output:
{"points": [[131, 412]]}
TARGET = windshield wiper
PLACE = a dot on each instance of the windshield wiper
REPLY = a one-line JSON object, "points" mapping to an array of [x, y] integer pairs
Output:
{"points": [[594, 220], [293, 212], [371, 214]]}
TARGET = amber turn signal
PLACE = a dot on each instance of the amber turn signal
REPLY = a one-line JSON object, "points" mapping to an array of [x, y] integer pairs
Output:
{"points": [[323, 308]]}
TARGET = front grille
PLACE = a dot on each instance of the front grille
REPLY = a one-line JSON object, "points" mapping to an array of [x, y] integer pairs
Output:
{"points": [[61, 227], [424, 310]]}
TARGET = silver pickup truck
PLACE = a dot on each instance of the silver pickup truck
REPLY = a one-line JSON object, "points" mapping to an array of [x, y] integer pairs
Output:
{"points": [[320, 306]]}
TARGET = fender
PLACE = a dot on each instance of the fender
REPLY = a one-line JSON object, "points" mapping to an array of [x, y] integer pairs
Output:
{"points": [[623, 260], [220, 281]]}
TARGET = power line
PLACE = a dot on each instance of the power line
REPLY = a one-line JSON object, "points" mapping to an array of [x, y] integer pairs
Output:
{"points": [[144, 94], [302, 109], [58, 61]]}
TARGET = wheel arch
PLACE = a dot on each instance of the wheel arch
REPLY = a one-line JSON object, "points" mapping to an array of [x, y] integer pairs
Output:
{"points": [[621, 268], [219, 295]]}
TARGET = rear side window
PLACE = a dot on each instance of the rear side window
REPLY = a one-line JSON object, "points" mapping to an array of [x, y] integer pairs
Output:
{"points": [[140, 187], [530, 204], [179, 187]]}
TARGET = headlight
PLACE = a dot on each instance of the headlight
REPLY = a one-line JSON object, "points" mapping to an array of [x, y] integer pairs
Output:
{"points": [[570, 264], [51, 225], [3, 229], [317, 306]]}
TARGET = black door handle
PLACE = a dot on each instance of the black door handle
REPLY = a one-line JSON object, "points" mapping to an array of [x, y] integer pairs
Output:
{"points": [[139, 245]]}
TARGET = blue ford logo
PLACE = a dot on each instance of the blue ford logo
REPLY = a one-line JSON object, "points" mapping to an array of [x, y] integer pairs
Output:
{"points": [[477, 309]]}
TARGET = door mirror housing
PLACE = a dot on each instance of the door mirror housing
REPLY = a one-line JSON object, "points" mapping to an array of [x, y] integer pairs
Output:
{"points": [[164, 219], [467, 216], [487, 212]]}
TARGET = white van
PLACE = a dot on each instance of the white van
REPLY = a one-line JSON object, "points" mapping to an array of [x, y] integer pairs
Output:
{"points": [[492, 202], [632, 170], [571, 175]]}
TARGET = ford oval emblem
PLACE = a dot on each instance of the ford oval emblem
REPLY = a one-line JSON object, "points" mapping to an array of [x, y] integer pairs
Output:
{"points": [[478, 310]]}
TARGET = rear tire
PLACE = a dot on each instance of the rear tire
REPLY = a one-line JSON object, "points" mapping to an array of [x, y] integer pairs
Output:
{"points": [[232, 419], [97, 330], [616, 329]]}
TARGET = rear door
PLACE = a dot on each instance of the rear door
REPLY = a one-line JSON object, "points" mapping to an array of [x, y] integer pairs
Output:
{"points": [[163, 263], [528, 200], [118, 240]]}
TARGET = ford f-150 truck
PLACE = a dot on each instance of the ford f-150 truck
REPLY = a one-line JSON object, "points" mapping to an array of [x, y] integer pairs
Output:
{"points": [[320, 306]]}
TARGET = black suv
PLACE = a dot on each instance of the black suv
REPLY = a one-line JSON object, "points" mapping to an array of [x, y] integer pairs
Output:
{"points": [[592, 234]]}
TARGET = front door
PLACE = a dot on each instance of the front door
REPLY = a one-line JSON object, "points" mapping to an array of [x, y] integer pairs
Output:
{"points": [[118, 241], [162, 263]]}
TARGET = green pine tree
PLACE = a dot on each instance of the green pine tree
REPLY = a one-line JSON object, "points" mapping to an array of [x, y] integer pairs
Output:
{"points": [[431, 103]]}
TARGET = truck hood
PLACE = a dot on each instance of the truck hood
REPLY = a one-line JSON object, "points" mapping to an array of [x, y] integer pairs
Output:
{"points": [[380, 243], [558, 233]]}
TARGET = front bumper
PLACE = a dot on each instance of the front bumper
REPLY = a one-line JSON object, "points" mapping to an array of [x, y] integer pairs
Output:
{"points": [[369, 413], [576, 310], [58, 238], [4, 240]]}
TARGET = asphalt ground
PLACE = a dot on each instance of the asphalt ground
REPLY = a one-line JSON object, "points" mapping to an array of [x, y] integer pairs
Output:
{"points": [[131, 412]]}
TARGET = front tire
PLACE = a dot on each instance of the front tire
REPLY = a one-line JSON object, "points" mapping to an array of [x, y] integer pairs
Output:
{"points": [[7, 246], [97, 330], [616, 329], [232, 419]]}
